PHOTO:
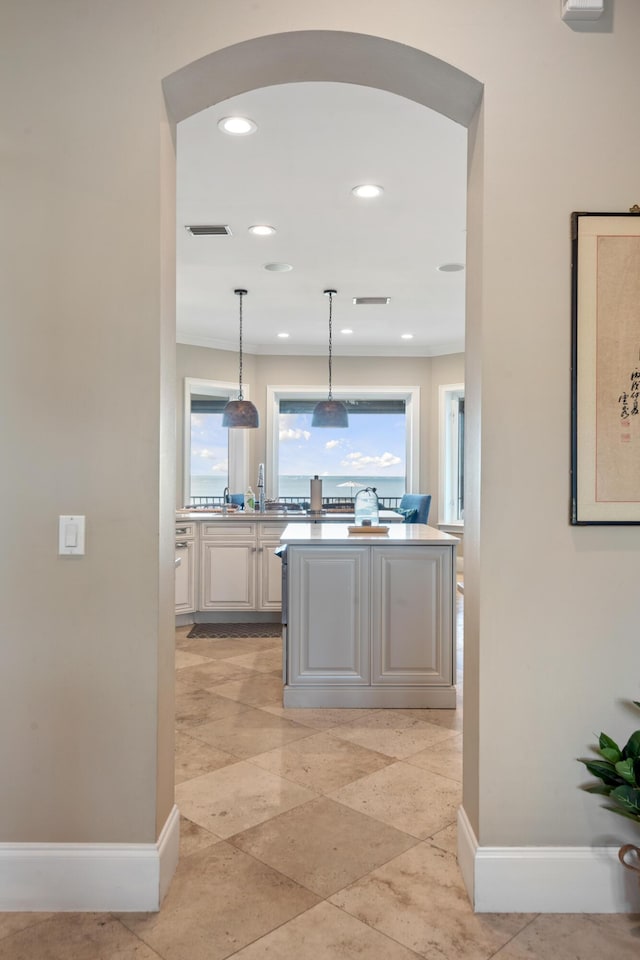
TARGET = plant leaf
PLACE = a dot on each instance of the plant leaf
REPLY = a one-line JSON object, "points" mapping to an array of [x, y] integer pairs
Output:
{"points": [[622, 813], [628, 798], [603, 770], [632, 747], [610, 746], [636, 772], [625, 770]]}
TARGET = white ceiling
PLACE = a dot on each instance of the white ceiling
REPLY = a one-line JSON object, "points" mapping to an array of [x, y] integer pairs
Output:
{"points": [[314, 142]]}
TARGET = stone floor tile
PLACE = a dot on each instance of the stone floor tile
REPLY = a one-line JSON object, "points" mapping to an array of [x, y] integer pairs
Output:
{"points": [[76, 936], [249, 733], [210, 672], [419, 900], [392, 733], [323, 845], [194, 706], [320, 718], [254, 690], [193, 758], [446, 839], [220, 900], [13, 922], [264, 661], [450, 719], [184, 659], [194, 838], [576, 937], [444, 758], [237, 797], [321, 762], [325, 933], [405, 797], [219, 649]]}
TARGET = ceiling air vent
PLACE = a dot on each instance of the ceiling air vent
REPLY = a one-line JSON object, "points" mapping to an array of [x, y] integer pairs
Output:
{"points": [[209, 230], [360, 301]]}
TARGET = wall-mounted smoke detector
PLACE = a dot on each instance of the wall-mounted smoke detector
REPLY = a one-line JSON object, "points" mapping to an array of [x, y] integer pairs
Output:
{"points": [[582, 9], [209, 230], [362, 301]]}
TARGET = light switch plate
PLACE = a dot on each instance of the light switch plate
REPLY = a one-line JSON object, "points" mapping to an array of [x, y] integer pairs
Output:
{"points": [[71, 536], [582, 9]]}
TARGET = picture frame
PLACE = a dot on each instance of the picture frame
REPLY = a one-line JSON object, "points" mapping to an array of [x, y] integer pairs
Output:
{"points": [[605, 368]]}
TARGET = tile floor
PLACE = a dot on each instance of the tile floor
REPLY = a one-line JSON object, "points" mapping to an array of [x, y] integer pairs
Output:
{"points": [[311, 835]]}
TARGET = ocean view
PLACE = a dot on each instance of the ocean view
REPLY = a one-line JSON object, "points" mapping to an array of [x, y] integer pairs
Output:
{"points": [[298, 486]]}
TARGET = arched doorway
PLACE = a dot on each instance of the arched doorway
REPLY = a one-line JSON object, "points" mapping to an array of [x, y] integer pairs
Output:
{"points": [[359, 59]]}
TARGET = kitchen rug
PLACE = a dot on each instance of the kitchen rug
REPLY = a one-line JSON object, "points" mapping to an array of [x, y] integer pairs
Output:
{"points": [[218, 630]]}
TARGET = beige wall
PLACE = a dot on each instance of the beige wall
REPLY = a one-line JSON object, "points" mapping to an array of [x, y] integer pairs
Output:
{"points": [[552, 609]]}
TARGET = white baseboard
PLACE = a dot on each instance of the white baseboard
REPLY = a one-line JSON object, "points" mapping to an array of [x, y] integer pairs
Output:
{"points": [[100, 877], [544, 879]]}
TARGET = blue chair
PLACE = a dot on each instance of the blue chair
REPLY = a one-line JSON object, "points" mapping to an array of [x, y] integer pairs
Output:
{"points": [[414, 507]]}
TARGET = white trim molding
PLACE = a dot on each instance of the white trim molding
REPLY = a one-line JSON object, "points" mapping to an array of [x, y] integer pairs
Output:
{"points": [[544, 879], [102, 877]]}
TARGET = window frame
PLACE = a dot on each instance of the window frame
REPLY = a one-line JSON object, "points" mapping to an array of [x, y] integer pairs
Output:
{"points": [[449, 395], [411, 396], [238, 441]]}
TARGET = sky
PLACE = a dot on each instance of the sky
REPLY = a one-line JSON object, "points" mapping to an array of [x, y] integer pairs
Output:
{"points": [[372, 445]]}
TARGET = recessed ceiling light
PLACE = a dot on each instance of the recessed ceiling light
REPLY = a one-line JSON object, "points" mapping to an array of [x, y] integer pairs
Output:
{"points": [[407, 336], [262, 230], [450, 267], [237, 126], [278, 267], [367, 191], [346, 330], [283, 336]]}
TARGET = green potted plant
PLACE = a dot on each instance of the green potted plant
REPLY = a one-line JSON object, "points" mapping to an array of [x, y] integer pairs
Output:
{"points": [[618, 769]]}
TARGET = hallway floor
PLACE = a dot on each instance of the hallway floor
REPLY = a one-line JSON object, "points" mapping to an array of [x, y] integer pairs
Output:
{"points": [[310, 835]]}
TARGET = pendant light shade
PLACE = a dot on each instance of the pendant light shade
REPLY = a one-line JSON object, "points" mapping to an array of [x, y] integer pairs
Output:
{"points": [[240, 413], [330, 412]]}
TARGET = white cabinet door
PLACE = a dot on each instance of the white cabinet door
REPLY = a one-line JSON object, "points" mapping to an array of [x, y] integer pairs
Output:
{"points": [[328, 631], [412, 615], [227, 575], [185, 576], [269, 576]]}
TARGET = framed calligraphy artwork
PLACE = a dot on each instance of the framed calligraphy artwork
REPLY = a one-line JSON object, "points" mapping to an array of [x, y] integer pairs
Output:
{"points": [[605, 379]]}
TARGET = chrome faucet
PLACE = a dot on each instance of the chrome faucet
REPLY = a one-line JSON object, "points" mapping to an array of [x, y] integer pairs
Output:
{"points": [[225, 499]]}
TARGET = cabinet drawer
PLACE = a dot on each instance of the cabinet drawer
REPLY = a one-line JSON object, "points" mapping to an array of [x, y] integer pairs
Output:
{"points": [[271, 529], [228, 530], [185, 531]]}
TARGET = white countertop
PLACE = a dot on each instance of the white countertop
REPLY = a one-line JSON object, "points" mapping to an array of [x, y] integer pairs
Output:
{"points": [[336, 534], [295, 516]]}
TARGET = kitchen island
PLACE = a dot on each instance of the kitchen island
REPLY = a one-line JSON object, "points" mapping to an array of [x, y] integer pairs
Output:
{"points": [[369, 619], [226, 563]]}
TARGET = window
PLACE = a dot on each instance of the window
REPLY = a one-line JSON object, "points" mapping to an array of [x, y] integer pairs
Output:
{"points": [[377, 449], [452, 453], [214, 456]]}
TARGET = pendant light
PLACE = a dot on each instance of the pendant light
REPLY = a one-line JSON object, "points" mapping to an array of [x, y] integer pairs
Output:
{"points": [[240, 412], [330, 412]]}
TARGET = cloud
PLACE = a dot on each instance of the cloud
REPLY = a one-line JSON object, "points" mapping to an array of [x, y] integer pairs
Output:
{"points": [[294, 434], [330, 444], [357, 461]]}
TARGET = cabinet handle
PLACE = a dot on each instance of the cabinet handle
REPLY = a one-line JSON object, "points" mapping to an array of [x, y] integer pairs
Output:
{"points": [[181, 546], [253, 550], [181, 529]]}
